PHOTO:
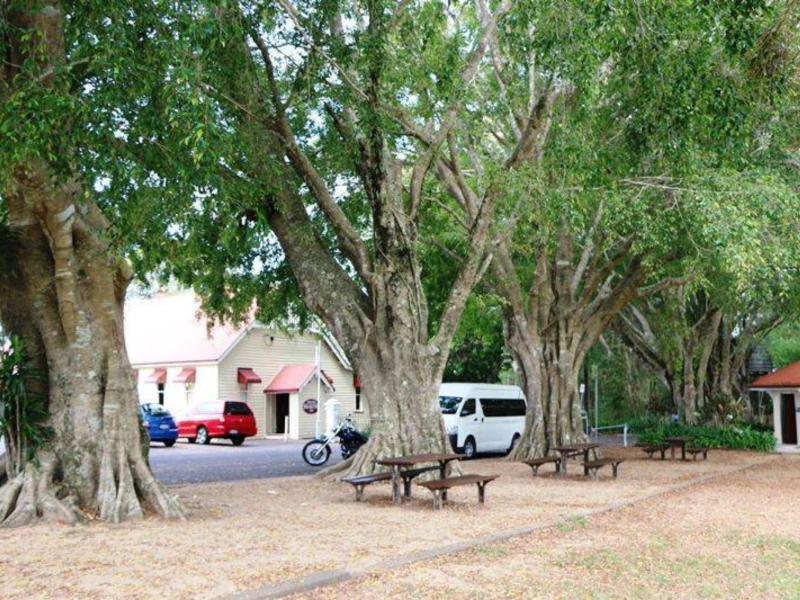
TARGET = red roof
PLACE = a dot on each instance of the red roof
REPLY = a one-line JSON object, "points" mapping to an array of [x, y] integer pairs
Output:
{"points": [[293, 378], [158, 376], [173, 329], [185, 376], [787, 377], [246, 376]]}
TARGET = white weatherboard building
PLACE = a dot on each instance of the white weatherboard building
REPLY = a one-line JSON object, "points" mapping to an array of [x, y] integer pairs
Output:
{"points": [[179, 361]]}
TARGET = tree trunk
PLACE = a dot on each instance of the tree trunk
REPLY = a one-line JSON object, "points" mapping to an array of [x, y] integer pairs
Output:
{"points": [[64, 293], [533, 442], [404, 412]]}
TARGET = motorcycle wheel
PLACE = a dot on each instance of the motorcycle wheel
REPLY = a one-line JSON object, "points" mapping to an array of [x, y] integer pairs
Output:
{"points": [[316, 453]]}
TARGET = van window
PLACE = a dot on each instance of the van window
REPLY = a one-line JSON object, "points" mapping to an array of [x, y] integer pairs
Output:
{"points": [[469, 408], [449, 404], [503, 407]]}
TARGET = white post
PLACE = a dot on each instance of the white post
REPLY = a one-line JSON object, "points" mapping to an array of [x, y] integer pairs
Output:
{"points": [[625, 435], [596, 404], [285, 429], [318, 361]]}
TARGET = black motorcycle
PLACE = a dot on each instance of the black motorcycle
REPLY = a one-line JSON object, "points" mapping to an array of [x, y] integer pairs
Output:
{"points": [[317, 452]]}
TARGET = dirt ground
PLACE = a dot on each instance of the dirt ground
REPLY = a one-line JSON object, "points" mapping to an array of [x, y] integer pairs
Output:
{"points": [[734, 537], [247, 534]]}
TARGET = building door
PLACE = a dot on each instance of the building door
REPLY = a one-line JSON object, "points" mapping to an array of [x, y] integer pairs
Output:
{"points": [[788, 420], [281, 412]]}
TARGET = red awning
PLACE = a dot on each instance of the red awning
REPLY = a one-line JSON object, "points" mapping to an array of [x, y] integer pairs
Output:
{"points": [[158, 376], [185, 376], [293, 378], [247, 376]]}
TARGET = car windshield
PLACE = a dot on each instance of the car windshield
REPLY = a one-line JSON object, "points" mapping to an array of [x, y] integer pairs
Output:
{"points": [[449, 404], [237, 408], [156, 410]]}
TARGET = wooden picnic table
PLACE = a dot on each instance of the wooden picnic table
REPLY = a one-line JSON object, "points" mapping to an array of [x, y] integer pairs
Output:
{"points": [[400, 462], [675, 442], [571, 450]]}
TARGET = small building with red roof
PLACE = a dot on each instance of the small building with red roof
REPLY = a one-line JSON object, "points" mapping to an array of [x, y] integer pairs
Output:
{"points": [[783, 386], [181, 358]]}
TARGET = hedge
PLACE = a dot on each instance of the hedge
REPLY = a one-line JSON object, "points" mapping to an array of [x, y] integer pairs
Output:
{"points": [[738, 436]]}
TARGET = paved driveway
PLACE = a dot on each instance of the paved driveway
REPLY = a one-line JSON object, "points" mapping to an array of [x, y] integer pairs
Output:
{"points": [[222, 461]]}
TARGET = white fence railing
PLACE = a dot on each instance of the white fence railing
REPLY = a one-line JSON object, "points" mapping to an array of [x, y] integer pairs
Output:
{"points": [[624, 426]]}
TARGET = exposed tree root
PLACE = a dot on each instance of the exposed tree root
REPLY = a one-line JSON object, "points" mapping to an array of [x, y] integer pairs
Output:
{"points": [[30, 497], [126, 490], [361, 463]]}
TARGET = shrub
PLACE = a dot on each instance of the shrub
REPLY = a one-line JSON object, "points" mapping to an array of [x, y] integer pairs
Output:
{"points": [[737, 436], [23, 412]]}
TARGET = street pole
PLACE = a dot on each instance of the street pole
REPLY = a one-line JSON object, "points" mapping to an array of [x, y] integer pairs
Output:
{"points": [[318, 360], [596, 404]]}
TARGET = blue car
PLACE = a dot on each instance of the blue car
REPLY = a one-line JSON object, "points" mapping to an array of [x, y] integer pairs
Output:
{"points": [[159, 424]]}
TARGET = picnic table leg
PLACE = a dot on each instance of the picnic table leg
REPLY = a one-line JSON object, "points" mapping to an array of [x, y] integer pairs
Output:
{"points": [[396, 499], [562, 466], [443, 475], [672, 451], [407, 487], [683, 451], [585, 460], [481, 487]]}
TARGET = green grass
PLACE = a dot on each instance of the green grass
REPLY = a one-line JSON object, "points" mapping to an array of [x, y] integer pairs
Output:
{"points": [[572, 523]]}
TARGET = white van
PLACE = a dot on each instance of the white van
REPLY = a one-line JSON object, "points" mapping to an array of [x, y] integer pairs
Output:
{"points": [[482, 417]]}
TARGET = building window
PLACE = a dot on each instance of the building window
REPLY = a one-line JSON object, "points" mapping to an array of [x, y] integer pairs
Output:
{"points": [[161, 394], [359, 405], [243, 393]]}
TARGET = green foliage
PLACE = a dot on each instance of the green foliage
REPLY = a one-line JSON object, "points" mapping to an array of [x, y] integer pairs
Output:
{"points": [[739, 436], [22, 411], [478, 353], [784, 345]]}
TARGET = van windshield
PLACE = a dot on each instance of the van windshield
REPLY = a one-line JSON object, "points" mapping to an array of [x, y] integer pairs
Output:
{"points": [[449, 404]]}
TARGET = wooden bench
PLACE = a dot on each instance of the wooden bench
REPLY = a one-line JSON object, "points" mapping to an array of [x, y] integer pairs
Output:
{"points": [[535, 463], [593, 466], [359, 482], [651, 450], [440, 486], [695, 451], [408, 476]]}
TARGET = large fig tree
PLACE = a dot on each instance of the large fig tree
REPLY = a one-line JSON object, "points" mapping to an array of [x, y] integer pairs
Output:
{"points": [[61, 285]]}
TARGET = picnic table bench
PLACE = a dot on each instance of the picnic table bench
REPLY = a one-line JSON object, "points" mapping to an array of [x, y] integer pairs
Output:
{"points": [[571, 450], [698, 450], [651, 450], [593, 467], [677, 442], [439, 487], [359, 482], [535, 463], [403, 464]]}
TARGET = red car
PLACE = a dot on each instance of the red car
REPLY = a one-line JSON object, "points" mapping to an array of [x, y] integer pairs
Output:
{"points": [[227, 419]]}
